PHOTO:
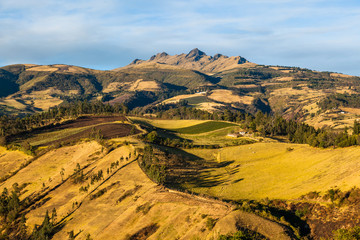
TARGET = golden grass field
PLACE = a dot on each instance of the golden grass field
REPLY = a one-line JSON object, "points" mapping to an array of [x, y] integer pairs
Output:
{"points": [[304, 93], [47, 168], [227, 96], [270, 170], [13, 103], [141, 85], [57, 67], [209, 106], [11, 160]]}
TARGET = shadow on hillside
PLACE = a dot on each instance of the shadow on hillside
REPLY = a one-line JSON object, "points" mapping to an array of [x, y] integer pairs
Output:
{"points": [[188, 169]]}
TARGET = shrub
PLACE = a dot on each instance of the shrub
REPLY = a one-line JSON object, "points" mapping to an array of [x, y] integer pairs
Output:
{"points": [[210, 223]]}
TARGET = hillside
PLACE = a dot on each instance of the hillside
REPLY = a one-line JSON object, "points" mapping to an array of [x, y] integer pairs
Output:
{"points": [[99, 190], [210, 83], [206, 175], [312, 189]]}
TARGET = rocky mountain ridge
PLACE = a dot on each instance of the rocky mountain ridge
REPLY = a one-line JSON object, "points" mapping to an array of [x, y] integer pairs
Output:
{"points": [[195, 60]]}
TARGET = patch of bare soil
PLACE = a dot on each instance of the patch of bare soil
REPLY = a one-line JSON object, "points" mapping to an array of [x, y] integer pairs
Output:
{"points": [[88, 121]]}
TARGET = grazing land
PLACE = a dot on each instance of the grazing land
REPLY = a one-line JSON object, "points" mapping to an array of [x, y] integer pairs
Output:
{"points": [[11, 160], [277, 170], [168, 124], [203, 127]]}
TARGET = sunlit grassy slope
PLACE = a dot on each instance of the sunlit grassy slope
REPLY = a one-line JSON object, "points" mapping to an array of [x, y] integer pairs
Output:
{"points": [[126, 203], [169, 124], [10, 161], [203, 127], [131, 202], [277, 170], [218, 137]]}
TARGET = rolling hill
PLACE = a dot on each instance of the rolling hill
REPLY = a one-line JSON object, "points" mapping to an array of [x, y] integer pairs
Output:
{"points": [[209, 83], [96, 187]]}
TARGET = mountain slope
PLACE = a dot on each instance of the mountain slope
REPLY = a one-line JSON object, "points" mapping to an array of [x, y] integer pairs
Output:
{"points": [[210, 83]]}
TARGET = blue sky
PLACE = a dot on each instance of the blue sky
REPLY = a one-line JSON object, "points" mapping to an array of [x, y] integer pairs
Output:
{"points": [[316, 34]]}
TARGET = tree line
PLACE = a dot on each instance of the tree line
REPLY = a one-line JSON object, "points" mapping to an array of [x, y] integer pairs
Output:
{"points": [[151, 165], [340, 100], [269, 125]]}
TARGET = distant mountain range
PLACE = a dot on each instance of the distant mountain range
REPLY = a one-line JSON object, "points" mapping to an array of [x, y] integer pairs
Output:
{"points": [[209, 83], [195, 60]]}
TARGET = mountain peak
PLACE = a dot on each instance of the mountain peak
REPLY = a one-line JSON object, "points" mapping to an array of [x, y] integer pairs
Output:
{"points": [[218, 55], [195, 53], [196, 60], [136, 61], [159, 55]]}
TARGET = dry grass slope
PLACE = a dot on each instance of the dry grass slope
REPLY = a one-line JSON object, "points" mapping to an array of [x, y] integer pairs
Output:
{"points": [[278, 170]]}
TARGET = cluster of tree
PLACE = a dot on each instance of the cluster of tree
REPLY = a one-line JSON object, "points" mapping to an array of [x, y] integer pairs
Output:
{"points": [[268, 125], [96, 134], [78, 176], [334, 101], [347, 234], [13, 221], [96, 177], [153, 137], [149, 162], [46, 229]]}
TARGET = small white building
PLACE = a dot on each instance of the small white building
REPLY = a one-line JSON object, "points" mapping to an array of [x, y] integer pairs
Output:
{"points": [[237, 134], [233, 135]]}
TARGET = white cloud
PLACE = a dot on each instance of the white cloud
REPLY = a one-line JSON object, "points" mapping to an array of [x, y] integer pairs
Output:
{"points": [[113, 32]]}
